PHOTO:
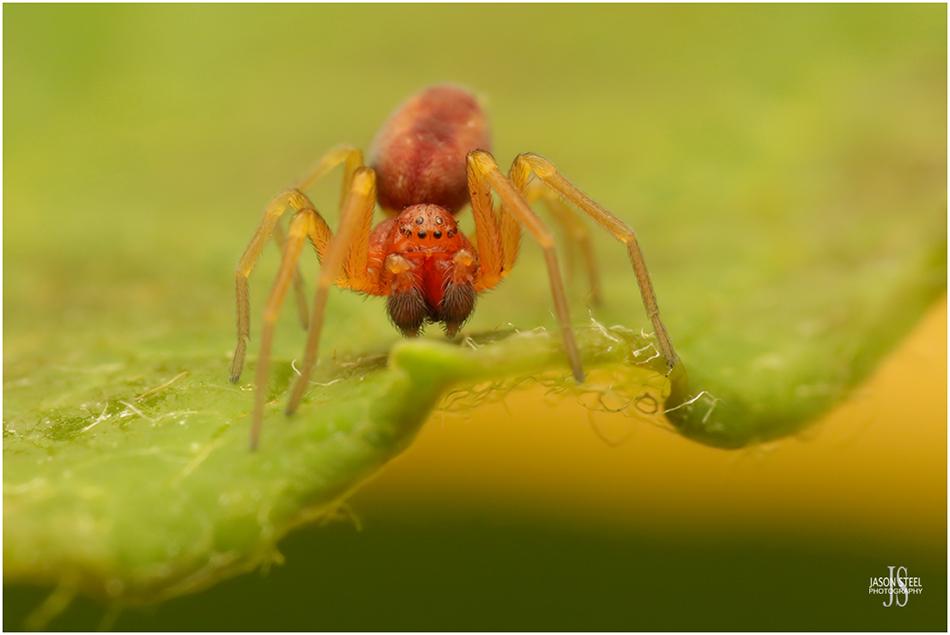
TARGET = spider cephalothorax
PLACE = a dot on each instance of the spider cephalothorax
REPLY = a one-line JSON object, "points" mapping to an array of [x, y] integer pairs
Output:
{"points": [[429, 159], [429, 267]]}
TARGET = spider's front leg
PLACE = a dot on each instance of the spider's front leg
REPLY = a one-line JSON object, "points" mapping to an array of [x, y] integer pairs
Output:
{"points": [[497, 240]]}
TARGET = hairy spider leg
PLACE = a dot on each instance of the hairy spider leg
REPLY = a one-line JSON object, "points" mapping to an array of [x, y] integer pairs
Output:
{"points": [[484, 173], [295, 199], [528, 163], [352, 160], [344, 264], [576, 234], [495, 255], [300, 294], [297, 234]]}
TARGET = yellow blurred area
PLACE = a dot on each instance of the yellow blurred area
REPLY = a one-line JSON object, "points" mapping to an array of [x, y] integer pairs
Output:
{"points": [[874, 464]]}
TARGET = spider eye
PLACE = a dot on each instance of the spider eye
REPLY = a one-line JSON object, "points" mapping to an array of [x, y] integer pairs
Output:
{"points": [[419, 220], [438, 220]]}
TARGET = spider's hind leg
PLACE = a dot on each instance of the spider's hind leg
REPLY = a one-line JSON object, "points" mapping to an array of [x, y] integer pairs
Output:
{"points": [[290, 199], [576, 236], [352, 159], [299, 229], [527, 164], [300, 293]]}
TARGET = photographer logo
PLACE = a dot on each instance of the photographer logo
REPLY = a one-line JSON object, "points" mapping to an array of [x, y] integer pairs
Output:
{"points": [[896, 586]]}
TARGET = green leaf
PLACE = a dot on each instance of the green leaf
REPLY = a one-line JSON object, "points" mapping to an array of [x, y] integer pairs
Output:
{"points": [[790, 201], [144, 492]]}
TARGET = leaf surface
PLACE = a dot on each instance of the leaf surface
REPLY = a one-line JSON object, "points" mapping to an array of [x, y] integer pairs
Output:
{"points": [[787, 183]]}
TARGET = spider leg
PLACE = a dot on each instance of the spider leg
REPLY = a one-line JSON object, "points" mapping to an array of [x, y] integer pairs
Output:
{"points": [[484, 172], [343, 263], [527, 164], [299, 228], [295, 199], [299, 292], [488, 240], [352, 160], [575, 231]]}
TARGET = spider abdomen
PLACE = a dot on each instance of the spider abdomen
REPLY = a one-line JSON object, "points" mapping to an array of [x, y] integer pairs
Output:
{"points": [[419, 153]]}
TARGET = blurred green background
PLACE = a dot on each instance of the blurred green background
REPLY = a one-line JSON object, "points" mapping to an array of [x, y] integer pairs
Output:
{"points": [[141, 143]]}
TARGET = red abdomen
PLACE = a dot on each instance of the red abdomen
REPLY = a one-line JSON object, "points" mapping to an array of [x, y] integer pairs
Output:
{"points": [[419, 154]]}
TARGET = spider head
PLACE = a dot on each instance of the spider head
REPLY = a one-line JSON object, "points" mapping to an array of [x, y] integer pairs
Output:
{"points": [[426, 228]]}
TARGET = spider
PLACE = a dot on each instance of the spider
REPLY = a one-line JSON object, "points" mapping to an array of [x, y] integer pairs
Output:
{"points": [[430, 159]]}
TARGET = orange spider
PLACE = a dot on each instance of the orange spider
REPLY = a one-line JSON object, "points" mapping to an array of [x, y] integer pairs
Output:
{"points": [[429, 159]]}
